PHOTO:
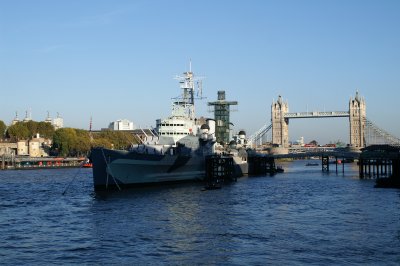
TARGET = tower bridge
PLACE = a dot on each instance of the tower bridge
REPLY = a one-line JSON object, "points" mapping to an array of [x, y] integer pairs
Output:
{"points": [[363, 132]]}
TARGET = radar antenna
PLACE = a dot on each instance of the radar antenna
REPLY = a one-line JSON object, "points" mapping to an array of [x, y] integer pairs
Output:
{"points": [[191, 86]]}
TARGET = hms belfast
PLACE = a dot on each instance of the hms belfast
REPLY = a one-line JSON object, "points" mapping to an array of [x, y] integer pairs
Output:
{"points": [[178, 149]]}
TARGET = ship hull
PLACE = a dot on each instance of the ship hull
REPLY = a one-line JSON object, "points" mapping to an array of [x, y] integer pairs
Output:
{"points": [[113, 168]]}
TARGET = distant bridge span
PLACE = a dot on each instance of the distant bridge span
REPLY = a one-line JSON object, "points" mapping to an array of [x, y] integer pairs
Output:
{"points": [[363, 132], [316, 114]]}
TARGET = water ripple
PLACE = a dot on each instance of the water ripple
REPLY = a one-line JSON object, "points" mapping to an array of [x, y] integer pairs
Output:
{"points": [[299, 217]]}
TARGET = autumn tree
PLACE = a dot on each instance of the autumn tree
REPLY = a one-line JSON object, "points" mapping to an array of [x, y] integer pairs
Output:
{"points": [[118, 139], [101, 142], [78, 142]]}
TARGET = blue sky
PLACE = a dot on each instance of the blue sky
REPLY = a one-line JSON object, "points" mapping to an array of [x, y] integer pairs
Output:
{"points": [[117, 59]]}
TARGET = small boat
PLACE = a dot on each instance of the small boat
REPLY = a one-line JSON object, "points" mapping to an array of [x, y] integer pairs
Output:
{"points": [[279, 169], [87, 165], [312, 164]]}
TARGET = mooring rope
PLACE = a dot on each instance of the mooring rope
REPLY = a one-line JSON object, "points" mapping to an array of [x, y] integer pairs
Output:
{"points": [[108, 168], [72, 180]]}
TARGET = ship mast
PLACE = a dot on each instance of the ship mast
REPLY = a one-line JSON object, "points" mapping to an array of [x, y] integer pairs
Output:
{"points": [[186, 100]]}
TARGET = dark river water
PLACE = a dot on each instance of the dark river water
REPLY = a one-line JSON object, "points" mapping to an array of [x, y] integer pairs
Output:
{"points": [[300, 217]]}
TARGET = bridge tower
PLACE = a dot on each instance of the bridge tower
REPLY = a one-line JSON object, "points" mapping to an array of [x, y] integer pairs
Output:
{"points": [[280, 124], [357, 118]]}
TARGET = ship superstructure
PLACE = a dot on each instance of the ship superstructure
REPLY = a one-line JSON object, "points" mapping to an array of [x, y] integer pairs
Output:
{"points": [[176, 153], [182, 121]]}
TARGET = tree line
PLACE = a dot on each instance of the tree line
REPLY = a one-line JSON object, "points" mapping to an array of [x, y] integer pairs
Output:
{"points": [[66, 141]]}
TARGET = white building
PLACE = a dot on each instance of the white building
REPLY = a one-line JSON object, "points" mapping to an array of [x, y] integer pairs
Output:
{"points": [[28, 117], [58, 122], [48, 119], [121, 124], [16, 119]]}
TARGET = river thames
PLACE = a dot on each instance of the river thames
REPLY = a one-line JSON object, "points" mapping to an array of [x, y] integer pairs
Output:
{"points": [[300, 217]]}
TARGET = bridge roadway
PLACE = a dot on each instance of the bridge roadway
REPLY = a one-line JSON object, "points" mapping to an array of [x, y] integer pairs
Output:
{"points": [[317, 114]]}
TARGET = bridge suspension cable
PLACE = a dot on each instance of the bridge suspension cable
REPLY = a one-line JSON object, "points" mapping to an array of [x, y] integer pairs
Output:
{"points": [[376, 135], [259, 134]]}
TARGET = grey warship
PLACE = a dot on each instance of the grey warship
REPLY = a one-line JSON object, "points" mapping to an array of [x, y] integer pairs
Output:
{"points": [[175, 153]]}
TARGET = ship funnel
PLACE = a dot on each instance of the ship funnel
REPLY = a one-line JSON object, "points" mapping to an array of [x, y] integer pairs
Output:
{"points": [[211, 125]]}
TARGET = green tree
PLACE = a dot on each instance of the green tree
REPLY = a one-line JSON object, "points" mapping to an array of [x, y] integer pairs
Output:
{"points": [[26, 130], [82, 143], [82, 146], [71, 142], [64, 141], [45, 129], [32, 127], [3, 128], [18, 131]]}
